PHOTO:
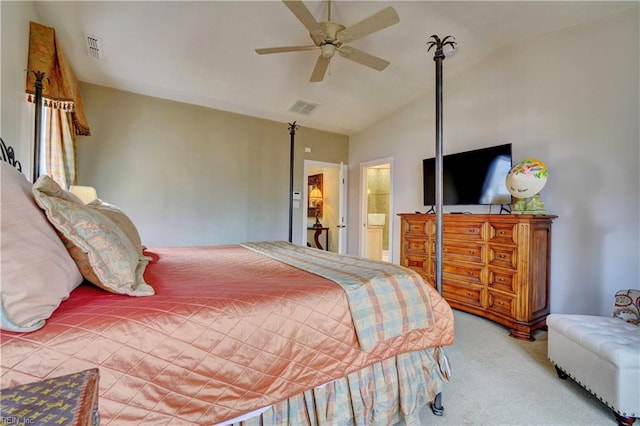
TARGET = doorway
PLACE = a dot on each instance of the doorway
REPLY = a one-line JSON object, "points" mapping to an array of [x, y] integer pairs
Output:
{"points": [[376, 207], [324, 206]]}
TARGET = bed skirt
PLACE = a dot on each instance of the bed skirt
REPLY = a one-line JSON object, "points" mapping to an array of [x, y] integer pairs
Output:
{"points": [[385, 393]]}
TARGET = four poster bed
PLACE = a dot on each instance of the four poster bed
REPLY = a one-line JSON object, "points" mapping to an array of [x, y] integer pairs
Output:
{"points": [[255, 333], [261, 333]]}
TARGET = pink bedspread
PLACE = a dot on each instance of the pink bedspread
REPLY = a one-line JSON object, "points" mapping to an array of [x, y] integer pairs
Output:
{"points": [[227, 332]]}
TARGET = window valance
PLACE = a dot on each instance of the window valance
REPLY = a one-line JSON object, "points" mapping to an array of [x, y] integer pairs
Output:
{"points": [[61, 89]]}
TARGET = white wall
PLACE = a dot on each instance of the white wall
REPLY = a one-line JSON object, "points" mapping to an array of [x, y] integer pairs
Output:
{"points": [[570, 99], [16, 118]]}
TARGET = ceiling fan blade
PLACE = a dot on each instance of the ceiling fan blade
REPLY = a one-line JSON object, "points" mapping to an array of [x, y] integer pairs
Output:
{"points": [[304, 16], [363, 58], [376, 22], [320, 69], [285, 49]]}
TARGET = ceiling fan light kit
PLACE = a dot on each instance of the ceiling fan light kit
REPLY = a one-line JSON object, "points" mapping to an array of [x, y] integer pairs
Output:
{"points": [[330, 37]]}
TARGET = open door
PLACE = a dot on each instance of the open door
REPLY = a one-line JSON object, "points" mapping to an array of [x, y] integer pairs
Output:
{"points": [[324, 209], [376, 206]]}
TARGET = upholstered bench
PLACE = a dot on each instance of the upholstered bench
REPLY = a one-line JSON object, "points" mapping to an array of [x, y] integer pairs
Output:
{"points": [[602, 354]]}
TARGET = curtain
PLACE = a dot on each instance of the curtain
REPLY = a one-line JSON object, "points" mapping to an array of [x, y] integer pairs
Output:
{"points": [[61, 88], [63, 110], [58, 152]]}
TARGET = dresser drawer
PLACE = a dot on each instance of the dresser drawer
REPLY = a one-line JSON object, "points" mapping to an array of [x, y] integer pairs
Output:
{"points": [[503, 256], [463, 251], [503, 233], [415, 262], [466, 273], [467, 230], [416, 227], [503, 280], [502, 304], [416, 245], [467, 295]]}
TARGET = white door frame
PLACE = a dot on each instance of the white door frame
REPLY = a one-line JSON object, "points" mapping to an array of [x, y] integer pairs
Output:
{"points": [[363, 204], [342, 213]]}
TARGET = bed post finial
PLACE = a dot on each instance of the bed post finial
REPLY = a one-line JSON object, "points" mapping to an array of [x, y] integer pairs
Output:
{"points": [[448, 43]]}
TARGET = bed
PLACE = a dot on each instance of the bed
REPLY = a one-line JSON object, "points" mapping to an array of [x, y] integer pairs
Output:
{"points": [[266, 333]]}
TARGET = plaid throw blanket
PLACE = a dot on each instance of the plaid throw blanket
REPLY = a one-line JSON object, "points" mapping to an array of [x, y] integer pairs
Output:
{"points": [[385, 300]]}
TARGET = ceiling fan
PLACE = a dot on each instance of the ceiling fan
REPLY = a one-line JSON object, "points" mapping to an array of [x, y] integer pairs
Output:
{"points": [[331, 37]]}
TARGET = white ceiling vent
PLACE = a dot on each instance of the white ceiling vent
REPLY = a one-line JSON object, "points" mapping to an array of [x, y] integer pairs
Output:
{"points": [[303, 107], [94, 46]]}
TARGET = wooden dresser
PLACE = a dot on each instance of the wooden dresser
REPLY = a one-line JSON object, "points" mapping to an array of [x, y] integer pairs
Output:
{"points": [[495, 266]]}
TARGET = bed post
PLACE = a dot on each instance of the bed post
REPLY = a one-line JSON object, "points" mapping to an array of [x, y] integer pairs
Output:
{"points": [[438, 57], [292, 132], [436, 405], [37, 137]]}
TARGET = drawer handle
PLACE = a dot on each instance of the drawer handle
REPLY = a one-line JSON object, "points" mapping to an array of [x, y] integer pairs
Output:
{"points": [[469, 294], [501, 232], [501, 279], [470, 251], [500, 303], [501, 256]]}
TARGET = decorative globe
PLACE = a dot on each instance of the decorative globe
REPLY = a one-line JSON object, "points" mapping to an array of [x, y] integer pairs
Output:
{"points": [[527, 178]]}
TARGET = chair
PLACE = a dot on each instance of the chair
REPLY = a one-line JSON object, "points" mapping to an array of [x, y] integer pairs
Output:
{"points": [[602, 354]]}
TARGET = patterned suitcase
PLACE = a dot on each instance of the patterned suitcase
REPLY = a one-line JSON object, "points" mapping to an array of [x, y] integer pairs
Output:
{"points": [[64, 400]]}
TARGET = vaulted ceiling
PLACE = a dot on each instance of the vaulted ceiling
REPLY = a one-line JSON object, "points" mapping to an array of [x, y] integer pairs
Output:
{"points": [[203, 52]]}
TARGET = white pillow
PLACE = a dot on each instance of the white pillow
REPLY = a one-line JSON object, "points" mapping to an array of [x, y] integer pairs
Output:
{"points": [[36, 270]]}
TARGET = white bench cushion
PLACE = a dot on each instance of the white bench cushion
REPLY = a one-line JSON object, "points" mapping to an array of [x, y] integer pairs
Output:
{"points": [[612, 339]]}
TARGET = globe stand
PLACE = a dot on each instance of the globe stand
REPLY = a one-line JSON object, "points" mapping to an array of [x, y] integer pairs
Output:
{"points": [[531, 205]]}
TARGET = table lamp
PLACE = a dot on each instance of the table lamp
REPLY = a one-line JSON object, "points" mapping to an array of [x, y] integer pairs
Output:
{"points": [[315, 199], [86, 193], [524, 181]]}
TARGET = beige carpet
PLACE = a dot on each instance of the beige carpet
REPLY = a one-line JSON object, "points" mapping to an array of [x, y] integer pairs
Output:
{"points": [[498, 380]]}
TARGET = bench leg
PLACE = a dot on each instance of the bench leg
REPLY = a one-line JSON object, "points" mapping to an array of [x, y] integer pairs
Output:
{"points": [[624, 420], [561, 373]]}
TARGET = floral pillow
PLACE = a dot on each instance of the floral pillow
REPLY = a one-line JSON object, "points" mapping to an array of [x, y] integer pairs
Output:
{"points": [[104, 254], [120, 219], [627, 306]]}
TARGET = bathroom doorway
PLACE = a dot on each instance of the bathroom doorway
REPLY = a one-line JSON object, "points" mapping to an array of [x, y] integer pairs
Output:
{"points": [[376, 207]]}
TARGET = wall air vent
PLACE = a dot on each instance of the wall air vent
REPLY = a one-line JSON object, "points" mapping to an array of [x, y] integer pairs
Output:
{"points": [[303, 107], [94, 46]]}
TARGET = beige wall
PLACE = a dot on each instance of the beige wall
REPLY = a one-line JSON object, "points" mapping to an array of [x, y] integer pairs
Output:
{"points": [[570, 99], [191, 175]]}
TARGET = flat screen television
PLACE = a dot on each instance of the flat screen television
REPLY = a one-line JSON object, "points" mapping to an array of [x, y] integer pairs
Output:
{"points": [[470, 178]]}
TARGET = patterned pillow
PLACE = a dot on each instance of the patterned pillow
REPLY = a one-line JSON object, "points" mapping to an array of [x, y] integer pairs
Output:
{"points": [[104, 254], [36, 270], [627, 306], [120, 219]]}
